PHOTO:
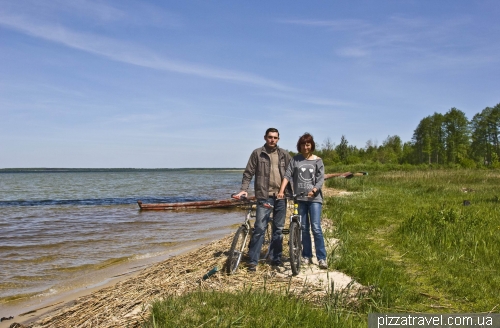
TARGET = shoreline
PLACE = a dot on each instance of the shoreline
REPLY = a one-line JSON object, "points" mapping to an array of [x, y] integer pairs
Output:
{"points": [[26, 311], [123, 303], [126, 302]]}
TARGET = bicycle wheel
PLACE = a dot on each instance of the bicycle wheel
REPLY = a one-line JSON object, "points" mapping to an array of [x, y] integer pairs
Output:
{"points": [[295, 245], [266, 245], [236, 250]]}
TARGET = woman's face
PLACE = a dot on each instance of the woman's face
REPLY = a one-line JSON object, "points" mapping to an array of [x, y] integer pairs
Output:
{"points": [[306, 148]]}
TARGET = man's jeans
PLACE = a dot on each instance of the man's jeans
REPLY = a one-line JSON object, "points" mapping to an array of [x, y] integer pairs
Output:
{"points": [[261, 220], [310, 218]]}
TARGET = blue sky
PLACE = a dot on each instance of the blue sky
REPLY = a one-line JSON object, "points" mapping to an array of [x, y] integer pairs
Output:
{"points": [[153, 84]]}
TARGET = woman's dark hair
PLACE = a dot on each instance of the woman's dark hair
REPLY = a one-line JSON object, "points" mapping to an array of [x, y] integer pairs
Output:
{"points": [[306, 138]]}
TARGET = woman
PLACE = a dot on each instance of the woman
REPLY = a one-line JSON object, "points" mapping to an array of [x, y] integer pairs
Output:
{"points": [[306, 172]]}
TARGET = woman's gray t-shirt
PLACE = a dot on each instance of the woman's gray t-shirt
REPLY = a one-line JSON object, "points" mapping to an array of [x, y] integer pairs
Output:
{"points": [[304, 175]]}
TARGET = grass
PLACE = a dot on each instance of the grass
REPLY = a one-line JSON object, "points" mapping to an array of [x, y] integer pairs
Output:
{"points": [[248, 308], [410, 235], [405, 234]]}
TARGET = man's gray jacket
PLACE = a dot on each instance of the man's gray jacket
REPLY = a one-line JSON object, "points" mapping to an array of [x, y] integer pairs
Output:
{"points": [[259, 164]]}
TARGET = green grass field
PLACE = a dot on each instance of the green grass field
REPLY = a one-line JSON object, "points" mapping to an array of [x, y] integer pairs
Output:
{"points": [[406, 234], [410, 236]]}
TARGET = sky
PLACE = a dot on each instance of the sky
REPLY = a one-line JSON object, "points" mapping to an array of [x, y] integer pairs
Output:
{"points": [[172, 84]]}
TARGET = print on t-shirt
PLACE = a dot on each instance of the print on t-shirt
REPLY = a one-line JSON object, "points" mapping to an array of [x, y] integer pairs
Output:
{"points": [[306, 176]]}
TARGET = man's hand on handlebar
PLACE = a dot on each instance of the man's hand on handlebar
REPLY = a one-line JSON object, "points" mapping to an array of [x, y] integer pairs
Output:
{"points": [[281, 195], [240, 194]]}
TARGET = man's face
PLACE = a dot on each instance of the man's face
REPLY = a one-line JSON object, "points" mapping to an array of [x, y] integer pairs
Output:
{"points": [[272, 139]]}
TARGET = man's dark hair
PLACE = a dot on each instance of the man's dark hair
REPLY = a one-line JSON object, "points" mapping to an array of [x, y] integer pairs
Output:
{"points": [[272, 130]]}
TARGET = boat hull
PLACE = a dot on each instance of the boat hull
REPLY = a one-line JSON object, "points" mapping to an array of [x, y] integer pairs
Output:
{"points": [[192, 205]]}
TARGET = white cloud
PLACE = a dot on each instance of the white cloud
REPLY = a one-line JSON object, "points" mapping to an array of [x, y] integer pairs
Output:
{"points": [[305, 98], [415, 43], [352, 52], [130, 53], [95, 9], [97, 12], [338, 25]]}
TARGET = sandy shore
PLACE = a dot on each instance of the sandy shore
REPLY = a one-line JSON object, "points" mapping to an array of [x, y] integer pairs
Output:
{"points": [[30, 310], [123, 300]]}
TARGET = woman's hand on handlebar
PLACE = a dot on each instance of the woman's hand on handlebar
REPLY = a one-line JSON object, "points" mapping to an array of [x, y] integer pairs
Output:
{"points": [[312, 193]]}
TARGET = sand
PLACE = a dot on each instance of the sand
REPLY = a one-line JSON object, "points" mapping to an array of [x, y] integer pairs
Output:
{"points": [[28, 310]]}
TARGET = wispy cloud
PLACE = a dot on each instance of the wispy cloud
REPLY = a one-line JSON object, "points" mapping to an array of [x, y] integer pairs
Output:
{"points": [[129, 53], [434, 44], [305, 98], [343, 24], [352, 52], [98, 10]]}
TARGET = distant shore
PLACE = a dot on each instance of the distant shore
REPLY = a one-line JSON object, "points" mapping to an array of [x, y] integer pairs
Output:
{"points": [[73, 170]]}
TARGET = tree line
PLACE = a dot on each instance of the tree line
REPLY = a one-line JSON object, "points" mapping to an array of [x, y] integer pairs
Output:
{"points": [[440, 139]]}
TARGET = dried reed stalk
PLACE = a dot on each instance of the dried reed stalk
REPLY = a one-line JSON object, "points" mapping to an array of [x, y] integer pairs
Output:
{"points": [[127, 302]]}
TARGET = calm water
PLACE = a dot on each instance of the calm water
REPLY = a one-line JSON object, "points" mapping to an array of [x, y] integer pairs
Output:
{"points": [[58, 226]]}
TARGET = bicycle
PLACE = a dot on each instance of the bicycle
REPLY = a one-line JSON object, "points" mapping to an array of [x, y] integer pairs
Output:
{"points": [[243, 235], [295, 238]]}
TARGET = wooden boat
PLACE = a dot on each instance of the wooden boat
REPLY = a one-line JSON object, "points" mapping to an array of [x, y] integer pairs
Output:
{"points": [[192, 205], [222, 203], [346, 175]]}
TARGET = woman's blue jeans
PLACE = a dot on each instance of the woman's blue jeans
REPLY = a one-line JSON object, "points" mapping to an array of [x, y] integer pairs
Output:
{"points": [[310, 218], [261, 219]]}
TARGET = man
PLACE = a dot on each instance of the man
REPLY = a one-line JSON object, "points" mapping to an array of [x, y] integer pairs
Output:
{"points": [[268, 164]]}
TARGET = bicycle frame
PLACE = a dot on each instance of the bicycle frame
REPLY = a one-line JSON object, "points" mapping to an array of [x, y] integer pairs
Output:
{"points": [[295, 217], [250, 214], [295, 240], [240, 239]]}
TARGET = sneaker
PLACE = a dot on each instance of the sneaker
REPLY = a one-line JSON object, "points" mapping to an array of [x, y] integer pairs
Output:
{"points": [[251, 267], [322, 264], [277, 263], [306, 261]]}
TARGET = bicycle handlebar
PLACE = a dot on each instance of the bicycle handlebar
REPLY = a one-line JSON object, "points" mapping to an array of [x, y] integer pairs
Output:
{"points": [[295, 196], [245, 198]]}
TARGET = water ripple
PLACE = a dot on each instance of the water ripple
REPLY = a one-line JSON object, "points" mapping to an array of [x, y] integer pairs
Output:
{"points": [[101, 201]]}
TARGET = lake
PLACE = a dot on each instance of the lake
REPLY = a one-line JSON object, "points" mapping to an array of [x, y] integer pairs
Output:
{"points": [[59, 229]]}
